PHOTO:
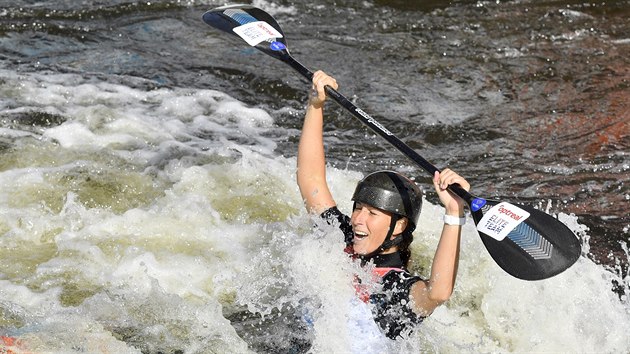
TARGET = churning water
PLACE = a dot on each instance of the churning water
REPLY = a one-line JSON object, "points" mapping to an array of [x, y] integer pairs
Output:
{"points": [[148, 199]]}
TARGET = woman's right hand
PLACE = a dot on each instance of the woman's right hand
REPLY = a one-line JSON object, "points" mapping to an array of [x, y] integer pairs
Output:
{"points": [[318, 93]]}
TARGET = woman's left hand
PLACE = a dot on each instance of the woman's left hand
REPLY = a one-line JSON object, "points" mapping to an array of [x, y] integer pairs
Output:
{"points": [[441, 180]]}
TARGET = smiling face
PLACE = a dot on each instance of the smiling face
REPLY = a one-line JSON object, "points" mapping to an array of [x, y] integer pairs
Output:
{"points": [[370, 226]]}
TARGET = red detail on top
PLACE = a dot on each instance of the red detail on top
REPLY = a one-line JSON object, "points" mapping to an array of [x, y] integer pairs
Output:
{"points": [[10, 345], [378, 273]]}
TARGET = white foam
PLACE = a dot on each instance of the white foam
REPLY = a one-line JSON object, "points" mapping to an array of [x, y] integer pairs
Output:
{"points": [[219, 227]]}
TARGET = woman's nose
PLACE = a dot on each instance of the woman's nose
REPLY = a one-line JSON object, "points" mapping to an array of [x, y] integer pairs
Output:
{"points": [[360, 215]]}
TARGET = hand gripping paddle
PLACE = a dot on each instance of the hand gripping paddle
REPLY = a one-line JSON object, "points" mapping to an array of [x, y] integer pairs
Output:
{"points": [[525, 242]]}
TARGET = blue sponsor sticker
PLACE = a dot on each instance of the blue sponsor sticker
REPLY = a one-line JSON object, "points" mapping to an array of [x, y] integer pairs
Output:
{"points": [[477, 204], [277, 46]]}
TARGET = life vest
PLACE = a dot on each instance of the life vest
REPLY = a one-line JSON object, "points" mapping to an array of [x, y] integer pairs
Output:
{"points": [[377, 274]]}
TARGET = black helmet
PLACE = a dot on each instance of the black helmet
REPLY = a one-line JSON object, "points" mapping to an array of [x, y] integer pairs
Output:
{"points": [[392, 192]]}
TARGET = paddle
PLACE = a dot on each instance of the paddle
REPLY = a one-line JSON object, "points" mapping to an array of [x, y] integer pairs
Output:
{"points": [[525, 242]]}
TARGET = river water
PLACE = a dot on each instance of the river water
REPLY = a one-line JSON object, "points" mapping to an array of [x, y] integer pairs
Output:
{"points": [[148, 199]]}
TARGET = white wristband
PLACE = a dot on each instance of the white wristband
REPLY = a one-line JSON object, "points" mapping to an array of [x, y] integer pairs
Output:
{"points": [[454, 220]]}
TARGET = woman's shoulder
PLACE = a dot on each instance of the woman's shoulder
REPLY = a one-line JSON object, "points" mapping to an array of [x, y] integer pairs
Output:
{"points": [[333, 213], [334, 216]]}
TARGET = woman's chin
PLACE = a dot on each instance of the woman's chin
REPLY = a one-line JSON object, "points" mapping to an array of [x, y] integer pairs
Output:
{"points": [[362, 251]]}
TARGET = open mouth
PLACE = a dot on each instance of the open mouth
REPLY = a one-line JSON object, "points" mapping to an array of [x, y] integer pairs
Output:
{"points": [[359, 235]]}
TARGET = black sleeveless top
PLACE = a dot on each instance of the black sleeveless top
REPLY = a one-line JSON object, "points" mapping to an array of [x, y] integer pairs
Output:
{"points": [[392, 308]]}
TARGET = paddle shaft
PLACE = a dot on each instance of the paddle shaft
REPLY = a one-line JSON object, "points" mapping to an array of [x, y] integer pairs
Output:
{"points": [[377, 127]]}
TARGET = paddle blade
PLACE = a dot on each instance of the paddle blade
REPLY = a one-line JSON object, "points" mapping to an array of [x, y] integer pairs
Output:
{"points": [[251, 24], [539, 246]]}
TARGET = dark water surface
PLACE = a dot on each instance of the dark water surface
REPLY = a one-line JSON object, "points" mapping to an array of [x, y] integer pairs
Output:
{"points": [[528, 99]]}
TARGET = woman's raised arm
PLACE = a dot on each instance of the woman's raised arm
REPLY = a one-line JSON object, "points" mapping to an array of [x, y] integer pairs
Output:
{"points": [[311, 159], [431, 293]]}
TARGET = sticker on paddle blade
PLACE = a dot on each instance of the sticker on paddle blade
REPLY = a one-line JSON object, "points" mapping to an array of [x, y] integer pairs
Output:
{"points": [[277, 46], [256, 32], [501, 219]]}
